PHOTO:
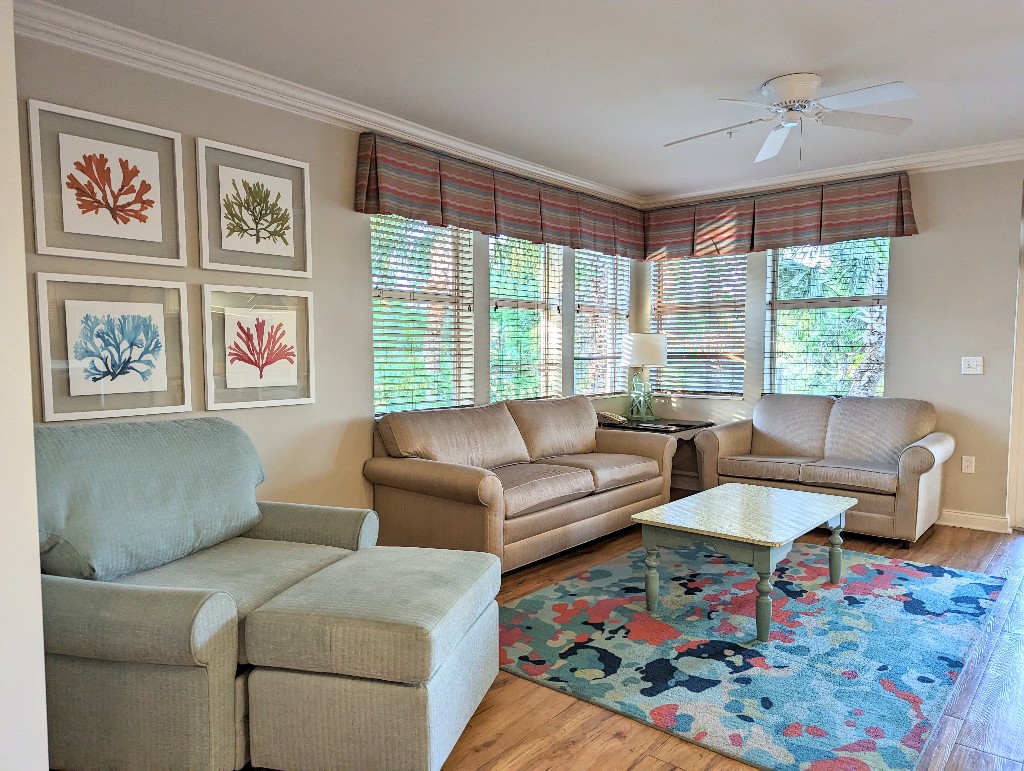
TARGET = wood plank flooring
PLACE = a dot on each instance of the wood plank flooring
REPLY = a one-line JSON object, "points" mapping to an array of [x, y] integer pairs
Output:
{"points": [[522, 725]]}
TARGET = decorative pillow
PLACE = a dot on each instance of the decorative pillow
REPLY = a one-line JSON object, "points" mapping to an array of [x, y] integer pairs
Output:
{"points": [[117, 498], [556, 426], [467, 436]]}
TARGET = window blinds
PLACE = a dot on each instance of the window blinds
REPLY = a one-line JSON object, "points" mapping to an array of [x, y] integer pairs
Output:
{"points": [[699, 303], [825, 327], [602, 322], [422, 314], [526, 319]]}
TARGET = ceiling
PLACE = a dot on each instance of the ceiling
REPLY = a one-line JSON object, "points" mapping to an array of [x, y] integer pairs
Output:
{"points": [[594, 88]]}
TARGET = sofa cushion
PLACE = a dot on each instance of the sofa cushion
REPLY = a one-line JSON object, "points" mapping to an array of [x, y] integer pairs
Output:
{"points": [[530, 487], [467, 436], [556, 426], [785, 468], [117, 498], [251, 570], [876, 428], [387, 613], [848, 474], [610, 470], [790, 425]]}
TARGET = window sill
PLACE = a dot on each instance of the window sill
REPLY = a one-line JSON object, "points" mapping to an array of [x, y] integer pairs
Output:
{"points": [[716, 397]]}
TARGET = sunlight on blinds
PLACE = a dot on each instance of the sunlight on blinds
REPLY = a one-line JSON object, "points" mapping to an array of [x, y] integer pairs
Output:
{"points": [[602, 322]]}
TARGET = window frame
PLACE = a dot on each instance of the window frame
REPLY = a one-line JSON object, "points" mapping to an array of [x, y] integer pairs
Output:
{"points": [[618, 320]]}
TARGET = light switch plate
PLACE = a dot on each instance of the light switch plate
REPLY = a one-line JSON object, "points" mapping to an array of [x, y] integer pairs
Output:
{"points": [[972, 365]]}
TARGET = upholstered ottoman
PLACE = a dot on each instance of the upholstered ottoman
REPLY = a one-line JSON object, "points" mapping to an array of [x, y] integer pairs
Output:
{"points": [[375, 662]]}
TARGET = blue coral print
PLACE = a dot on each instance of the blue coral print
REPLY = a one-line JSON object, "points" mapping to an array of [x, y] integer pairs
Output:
{"points": [[853, 677], [118, 346]]}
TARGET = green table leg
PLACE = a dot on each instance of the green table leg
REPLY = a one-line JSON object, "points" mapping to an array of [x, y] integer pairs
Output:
{"points": [[652, 578], [764, 606], [835, 556]]}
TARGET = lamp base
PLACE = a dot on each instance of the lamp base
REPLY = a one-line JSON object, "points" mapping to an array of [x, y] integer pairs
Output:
{"points": [[640, 406]]}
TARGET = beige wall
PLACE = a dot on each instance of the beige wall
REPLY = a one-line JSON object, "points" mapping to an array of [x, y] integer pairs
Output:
{"points": [[22, 693], [312, 453], [952, 293]]}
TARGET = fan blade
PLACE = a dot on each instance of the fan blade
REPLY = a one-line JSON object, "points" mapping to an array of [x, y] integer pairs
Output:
{"points": [[773, 143], [886, 92], [862, 121], [717, 131], [748, 103]]}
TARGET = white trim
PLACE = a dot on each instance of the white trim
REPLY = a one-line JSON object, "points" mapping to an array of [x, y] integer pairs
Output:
{"points": [[1014, 476], [204, 226], [39, 192], [211, 403], [88, 35], [974, 520], [43, 306]]}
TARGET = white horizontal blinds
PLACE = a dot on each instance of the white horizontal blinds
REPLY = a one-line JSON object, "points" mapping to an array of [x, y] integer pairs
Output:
{"points": [[526, 319], [602, 322], [422, 314], [699, 303], [825, 325]]}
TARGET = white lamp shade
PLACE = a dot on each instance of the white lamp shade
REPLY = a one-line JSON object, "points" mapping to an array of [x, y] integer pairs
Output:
{"points": [[644, 349]]}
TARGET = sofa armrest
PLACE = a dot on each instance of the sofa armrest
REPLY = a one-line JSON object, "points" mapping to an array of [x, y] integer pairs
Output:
{"points": [[324, 525], [140, 624], [465, 484], [919, 484], [643, 443], [719, 442], [924, 454]]}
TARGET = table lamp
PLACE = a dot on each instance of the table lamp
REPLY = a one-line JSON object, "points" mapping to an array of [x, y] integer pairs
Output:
{"points": [[644, 349]]}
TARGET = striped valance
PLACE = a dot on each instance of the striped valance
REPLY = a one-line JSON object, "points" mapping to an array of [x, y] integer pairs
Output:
{"points": [[807, 216], [395, 177]]}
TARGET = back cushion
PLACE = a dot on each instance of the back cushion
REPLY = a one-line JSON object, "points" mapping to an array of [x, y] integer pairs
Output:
{"points": [[117, 498], [877, 428], [468, 436], [790, 424], [556, 426]]}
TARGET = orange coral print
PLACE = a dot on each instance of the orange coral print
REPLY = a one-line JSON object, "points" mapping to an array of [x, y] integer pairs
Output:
{"points": [[97, 193]]}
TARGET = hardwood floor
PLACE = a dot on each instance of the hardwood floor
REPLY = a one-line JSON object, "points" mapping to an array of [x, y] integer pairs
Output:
{"points": [[522, 725]]}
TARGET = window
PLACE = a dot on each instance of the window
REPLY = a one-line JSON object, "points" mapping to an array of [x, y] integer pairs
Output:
{"points": [[602, 321], [526, 319], [699, 303], [422, 314], [825, 326]]}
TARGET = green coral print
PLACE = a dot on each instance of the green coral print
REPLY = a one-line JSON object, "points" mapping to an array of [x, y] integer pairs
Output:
{"points": [[250, 212]]}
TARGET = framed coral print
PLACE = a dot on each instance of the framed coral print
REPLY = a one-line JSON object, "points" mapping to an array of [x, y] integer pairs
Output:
{"points": [[258, 347], [253, 211], [112, 347], [105, 188]]}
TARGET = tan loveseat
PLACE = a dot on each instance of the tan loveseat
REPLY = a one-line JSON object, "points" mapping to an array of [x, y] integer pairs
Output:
{"points": [[882, 451], [520, 479]]}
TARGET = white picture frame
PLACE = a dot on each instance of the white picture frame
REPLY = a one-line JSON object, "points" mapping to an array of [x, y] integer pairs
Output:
{"points": [[51, 124], [217, 299], [212, 159], [54, 290]]}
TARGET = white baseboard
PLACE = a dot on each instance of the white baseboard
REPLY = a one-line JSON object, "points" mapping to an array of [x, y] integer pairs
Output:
{"points": [[974, 520]]}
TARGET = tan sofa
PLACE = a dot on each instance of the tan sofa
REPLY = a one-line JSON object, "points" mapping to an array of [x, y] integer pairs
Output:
{"points": [[519, 479], [882, 451]]}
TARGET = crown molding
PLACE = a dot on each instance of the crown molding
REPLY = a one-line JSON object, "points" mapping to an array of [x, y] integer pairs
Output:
{"points": [[86, 34]]}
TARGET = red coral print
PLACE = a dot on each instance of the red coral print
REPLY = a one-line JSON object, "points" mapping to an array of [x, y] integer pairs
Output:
{"points": [[839, 764], [261, 350], [665, 715], [861, 745], [643, 628], [97, 193], [912, 699]]}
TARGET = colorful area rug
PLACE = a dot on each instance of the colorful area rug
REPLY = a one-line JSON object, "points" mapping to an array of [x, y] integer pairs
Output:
{"points": [[852, 678]]}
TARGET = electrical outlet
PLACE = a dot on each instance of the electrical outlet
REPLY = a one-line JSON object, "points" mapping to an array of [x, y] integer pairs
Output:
{"points": [[972, 365], [967, 464]]}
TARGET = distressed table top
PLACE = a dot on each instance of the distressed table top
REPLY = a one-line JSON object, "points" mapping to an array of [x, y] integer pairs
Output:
{"points": [[766, 516]]}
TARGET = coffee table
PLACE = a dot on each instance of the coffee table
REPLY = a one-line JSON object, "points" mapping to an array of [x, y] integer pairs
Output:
{"points": [[751, 524]]}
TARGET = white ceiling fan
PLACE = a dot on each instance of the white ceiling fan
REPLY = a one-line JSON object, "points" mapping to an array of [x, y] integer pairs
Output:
{"points": [[791, 99]]}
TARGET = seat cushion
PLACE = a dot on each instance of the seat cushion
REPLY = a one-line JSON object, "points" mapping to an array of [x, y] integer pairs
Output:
{"points": [[877, 428], [387, 613], [790, 425], [556, 426], [117, 498], [785, 468], [848, 474], [530, 487], [610, 470], [467, 436], [251, 570]]}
